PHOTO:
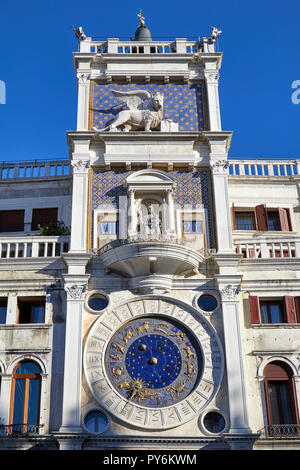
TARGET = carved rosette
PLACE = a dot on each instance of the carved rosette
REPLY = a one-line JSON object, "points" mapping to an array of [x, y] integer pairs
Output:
{"points": [[230, 293], [75, 291], [80, 166], [220, 167]]}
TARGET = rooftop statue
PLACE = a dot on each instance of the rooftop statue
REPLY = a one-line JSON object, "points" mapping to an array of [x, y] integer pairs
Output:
{"points": [[145, 111]]}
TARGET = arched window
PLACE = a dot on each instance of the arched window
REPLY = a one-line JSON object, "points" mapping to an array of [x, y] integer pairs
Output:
{"points": [[25, 398], [280, 398]]}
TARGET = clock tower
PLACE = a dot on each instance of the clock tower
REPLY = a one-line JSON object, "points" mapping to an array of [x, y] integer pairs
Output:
{"points": [[153, 352]]}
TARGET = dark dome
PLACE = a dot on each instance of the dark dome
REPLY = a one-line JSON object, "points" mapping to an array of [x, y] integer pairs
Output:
{"points": [[142, 34]]}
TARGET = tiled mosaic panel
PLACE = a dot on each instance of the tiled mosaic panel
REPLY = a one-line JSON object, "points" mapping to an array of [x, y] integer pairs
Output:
{"points": [[183, 103], [192, 187]]}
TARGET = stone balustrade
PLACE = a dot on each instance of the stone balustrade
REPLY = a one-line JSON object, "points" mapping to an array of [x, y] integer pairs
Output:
{"points": [[114, 46], [33, 247], [34, 169], [264, 168], [268, 248]]}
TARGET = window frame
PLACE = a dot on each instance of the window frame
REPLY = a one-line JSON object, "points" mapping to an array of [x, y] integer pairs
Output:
{"points": [[261, 219], [27, 378], [38, 301], [288, 378]]}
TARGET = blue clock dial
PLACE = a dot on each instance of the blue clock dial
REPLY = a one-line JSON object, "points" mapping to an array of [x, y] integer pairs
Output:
{"points": [[153, 361]]}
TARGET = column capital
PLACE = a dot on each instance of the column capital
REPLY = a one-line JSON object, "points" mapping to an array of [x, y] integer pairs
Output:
{"points": [[83, 78], [219, 167], [230, 293], [75, 291], [80, 166], [211, 76]]}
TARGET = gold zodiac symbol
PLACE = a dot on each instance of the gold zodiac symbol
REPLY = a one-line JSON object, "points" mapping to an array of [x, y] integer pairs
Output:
{"points": [[190, 369], [117, 371], [143, 328], [128, 335], [116, 357], [180, 335], [125, 385], [189, 352], [118, 347], [175, 391]]}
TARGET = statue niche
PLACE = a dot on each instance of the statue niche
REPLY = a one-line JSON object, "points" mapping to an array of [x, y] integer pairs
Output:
{"points": [[149, 218], [145, 111]]}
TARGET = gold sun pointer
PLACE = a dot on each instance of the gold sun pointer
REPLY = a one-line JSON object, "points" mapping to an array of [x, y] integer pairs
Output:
{"points": [[137, 387]]}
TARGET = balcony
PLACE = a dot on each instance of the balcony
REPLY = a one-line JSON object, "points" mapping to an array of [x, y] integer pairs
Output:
{"points": [[281, 431], [162, 255], [268, 248], [264, 168], [27, 170], [33, 247], [20, 430]]}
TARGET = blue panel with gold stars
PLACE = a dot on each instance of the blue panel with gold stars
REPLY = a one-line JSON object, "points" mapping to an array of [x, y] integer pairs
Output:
{"points": [[183, 103], [153, 361]]}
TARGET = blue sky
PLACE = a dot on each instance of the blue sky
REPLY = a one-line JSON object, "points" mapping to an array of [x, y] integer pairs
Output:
{"points": [[260, 41]]}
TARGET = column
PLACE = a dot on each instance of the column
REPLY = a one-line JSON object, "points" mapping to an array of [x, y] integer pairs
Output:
{"points": [[5, 397], [212, 79], [83, 80], [223, 228], [75, 287], [12, 308], [131, 213], [79, 201], [171, 215], [234, 358]]}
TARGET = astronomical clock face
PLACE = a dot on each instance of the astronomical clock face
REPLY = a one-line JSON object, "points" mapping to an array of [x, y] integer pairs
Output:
{"points": [[153, 363]]}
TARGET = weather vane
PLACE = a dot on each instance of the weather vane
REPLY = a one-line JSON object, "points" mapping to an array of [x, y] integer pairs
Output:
{"points": [[142, 18]]}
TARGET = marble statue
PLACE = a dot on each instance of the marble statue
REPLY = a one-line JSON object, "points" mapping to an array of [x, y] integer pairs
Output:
{"points": [[145, 111]]}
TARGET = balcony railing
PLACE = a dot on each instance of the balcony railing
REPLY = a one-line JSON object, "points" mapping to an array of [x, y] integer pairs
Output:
{"points": [[264, 168], [268, 248], [281, 431], [115, 46], [34, 169], [33, 247], [20, 429]]}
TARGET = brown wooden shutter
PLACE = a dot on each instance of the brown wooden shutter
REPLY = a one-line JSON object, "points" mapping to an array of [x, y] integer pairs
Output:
{"points": [[290, 309], [261, 217], [12, 221], [284, 220], [297, 308], [254, 309], [43, 217]]}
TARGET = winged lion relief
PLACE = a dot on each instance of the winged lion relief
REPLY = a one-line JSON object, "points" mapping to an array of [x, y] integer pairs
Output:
{"points": [[145, 111]]}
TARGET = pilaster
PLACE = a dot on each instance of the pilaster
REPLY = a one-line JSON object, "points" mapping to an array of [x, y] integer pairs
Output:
{"points": [[80, 164], [229, 287]]}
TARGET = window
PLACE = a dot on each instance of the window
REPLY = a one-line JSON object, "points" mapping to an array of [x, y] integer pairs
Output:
{"points": [[280, 310], [12, 221], [43, 217], [3, 311], [261, 218], [245, 221], [272, 311], [25, 398], [280, 396], [31, 311], [192, 222], [96, 422]]}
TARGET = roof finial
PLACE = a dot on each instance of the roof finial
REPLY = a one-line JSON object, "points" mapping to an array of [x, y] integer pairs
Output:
{"points": [[141, 17]]}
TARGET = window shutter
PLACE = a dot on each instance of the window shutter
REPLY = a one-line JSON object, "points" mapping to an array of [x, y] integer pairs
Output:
{"points": [[290, 309], [43, 217], [254, 309], [284, 220], [12, 221], [297, 308], [233, 217], [261, 217]]}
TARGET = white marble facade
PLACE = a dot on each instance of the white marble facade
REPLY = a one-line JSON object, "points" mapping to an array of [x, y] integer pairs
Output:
{"points": [[152, 250]]}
